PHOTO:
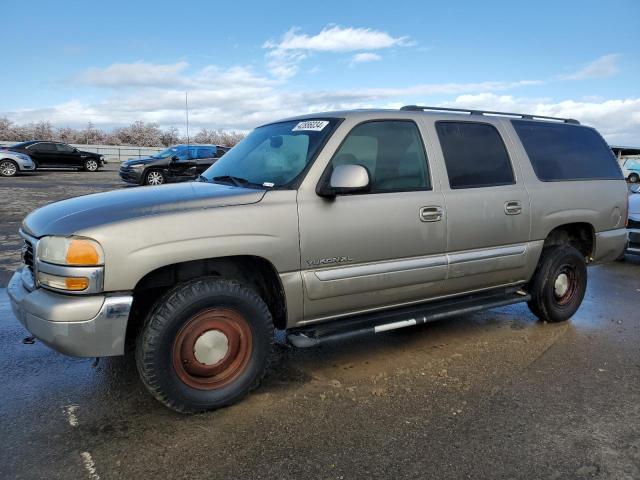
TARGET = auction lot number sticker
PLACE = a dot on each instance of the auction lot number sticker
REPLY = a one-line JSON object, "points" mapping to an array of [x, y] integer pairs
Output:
{"points": [[313, 125]]}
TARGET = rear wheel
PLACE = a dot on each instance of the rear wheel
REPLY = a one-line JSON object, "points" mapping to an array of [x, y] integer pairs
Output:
{"points": [[205, 344], [559, 284], [8, 168], [634, 178], [154, 177], [91, 165]]}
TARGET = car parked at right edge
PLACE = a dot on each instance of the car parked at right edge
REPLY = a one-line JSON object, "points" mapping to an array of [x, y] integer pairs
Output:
{"points": [[633, 223], [178, 163]]}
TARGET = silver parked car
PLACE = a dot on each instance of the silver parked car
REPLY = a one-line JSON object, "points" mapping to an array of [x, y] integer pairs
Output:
{"points": [[325, 226], [633, 223], [13, 162]]}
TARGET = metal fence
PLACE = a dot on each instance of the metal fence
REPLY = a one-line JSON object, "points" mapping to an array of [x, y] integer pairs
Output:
{"points": [[111, 153]]}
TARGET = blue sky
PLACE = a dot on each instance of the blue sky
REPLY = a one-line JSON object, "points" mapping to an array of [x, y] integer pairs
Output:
{"points": [[246, 63]]}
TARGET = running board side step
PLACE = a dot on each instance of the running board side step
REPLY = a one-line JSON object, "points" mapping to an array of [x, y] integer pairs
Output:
{"points": [[399, 318]]}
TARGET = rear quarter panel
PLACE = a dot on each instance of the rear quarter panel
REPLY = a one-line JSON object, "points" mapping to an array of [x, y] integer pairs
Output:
{"points": [[600, 203]]}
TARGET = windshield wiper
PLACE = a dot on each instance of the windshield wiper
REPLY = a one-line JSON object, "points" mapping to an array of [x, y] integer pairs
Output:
{"points": [[237, 181]]}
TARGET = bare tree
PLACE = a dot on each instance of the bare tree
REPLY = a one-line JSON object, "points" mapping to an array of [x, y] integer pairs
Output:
{"points": [[137, 134], [171, 136]]}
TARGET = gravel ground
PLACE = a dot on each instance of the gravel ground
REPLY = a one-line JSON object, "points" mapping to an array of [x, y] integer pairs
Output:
{"points": [[490, 395]]}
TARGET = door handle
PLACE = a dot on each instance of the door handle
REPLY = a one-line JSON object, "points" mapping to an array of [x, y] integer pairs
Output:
{"points": [[513, 207], [431, 214]]}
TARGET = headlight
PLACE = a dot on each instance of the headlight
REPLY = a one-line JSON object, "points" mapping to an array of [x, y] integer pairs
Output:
{"points": [[137, 165], [75, 251]]}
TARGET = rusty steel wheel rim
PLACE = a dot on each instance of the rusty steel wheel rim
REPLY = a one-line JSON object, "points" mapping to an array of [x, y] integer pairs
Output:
{"points": [[212, 348], [565, 285]]}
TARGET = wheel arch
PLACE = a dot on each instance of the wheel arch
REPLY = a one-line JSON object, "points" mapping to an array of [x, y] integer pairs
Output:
{"points": [[581, 235], [257, 272]]}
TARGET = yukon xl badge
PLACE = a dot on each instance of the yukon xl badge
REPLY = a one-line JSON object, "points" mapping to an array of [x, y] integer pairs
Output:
{"points": [[328, 261]]}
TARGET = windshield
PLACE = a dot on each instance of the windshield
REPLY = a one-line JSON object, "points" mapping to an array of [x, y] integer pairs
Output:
{"points": [[21, 144], [273, 155], [633, 163], [169, 152]]}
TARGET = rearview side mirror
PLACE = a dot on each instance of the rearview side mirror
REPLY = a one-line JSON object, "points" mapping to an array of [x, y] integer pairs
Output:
{"points": [[347, 179]]}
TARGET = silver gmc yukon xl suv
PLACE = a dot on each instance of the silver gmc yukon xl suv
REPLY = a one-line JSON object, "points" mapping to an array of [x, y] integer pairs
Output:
{"points": [[324, 226]]}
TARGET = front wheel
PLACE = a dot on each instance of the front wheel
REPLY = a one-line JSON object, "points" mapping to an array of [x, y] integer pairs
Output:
{"points": [[558, 284], [634, 178], [90, 165], [205, 345], [8, 168], [154, 177]]}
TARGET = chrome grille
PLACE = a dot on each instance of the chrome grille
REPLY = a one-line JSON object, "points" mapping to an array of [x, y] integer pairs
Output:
{"points": [[633, 224], [27, 254]]}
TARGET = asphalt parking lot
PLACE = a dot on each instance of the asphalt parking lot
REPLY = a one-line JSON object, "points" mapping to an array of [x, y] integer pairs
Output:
{"points": [[489, 395]]}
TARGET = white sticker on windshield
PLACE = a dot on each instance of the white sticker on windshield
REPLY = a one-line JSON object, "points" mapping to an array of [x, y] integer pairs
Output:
{"points": [[313, 125]]}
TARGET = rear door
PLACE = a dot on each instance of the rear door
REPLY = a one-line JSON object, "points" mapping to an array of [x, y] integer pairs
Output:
{"points": [[206, 156], [488, 208], [44, 153], [380, 248]]}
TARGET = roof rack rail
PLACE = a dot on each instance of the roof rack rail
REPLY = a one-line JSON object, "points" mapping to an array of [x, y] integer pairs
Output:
{"points": [[471, 111]]}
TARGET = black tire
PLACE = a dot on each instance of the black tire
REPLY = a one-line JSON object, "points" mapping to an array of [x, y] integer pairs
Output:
{"points": [[154, 177], [634, 178], [550, 302], [8, 168], [159, 355], [91, 165]]}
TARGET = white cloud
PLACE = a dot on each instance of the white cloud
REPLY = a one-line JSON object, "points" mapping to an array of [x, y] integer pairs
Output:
{"points": [[602, 67], [134, 74], [337, 39], [233, 98], [240, 98], [365, 57], [618, 120], [283, 56]]}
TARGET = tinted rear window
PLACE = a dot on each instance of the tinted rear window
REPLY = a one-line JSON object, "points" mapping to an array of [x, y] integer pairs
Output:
{"points": [[474, 154], [566, 152]]}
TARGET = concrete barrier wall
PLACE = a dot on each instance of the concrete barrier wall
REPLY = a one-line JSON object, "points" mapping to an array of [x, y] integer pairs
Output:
{"points": [[111, 153]]}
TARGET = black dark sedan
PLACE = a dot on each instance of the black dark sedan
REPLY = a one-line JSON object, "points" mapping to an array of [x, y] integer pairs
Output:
{"points": [[174, 164], [56, 154]]}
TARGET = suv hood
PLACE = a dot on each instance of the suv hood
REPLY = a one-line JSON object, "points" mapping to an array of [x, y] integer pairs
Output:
{"points": [[70, 216], [141, 160]]}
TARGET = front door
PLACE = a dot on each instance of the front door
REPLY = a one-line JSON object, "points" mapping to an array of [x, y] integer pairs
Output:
{"points": [[184, 166], [380, 248], [488, 212], [68, 156]]}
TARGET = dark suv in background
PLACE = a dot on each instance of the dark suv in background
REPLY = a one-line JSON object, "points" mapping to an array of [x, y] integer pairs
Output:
{"points": [[56, 154], [175, 164]]}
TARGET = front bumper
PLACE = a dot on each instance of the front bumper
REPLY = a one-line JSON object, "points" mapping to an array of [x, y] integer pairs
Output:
{"points": [[634, 241], [27, 166], [80, 326], [131, 175]]}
